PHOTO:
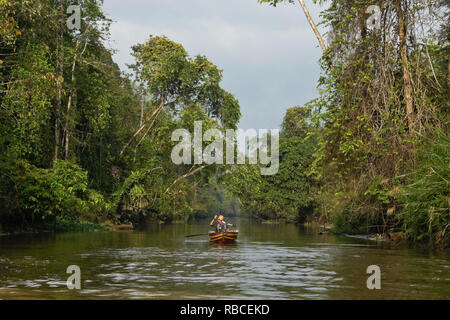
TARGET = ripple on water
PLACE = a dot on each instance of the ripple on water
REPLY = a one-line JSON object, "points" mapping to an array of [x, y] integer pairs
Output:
{"points": [[194, 269]]}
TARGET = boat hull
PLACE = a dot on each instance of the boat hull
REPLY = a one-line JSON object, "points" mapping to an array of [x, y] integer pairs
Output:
{"points": [[226, 237]]}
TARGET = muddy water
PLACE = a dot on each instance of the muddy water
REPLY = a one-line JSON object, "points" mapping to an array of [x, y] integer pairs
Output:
{"points": [[267, 262]]}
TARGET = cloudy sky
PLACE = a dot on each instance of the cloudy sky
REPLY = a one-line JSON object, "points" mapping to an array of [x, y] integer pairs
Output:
{"points": [[269, 55]]}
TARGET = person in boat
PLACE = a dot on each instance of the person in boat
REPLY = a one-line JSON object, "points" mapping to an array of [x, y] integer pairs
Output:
{"points": [[219, 225]]}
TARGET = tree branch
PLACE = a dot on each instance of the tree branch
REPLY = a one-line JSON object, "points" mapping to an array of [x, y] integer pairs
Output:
{"points": [[313, 26], [185, 176], [161, 105]]}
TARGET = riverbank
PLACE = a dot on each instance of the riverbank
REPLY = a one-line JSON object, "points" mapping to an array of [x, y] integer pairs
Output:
{"points": [[393, 239], [57, 226]]}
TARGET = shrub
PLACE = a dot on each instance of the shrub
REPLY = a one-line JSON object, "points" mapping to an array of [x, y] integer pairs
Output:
{"points": [[36, 197], [426, 214]]}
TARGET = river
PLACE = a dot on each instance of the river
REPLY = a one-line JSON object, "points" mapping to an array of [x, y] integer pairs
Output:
{"points": [[269, 261]]}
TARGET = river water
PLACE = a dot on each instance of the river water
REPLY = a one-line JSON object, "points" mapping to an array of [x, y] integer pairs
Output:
{"points": [[279, 261]]}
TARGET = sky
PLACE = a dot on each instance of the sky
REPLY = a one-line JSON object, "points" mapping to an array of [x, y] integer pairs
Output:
{"points": [[269, 56]]}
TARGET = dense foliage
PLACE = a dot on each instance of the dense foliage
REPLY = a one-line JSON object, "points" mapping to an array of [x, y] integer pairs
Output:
{"points": [[287, 194], [80, 140], [426, 197], [385, 87]]}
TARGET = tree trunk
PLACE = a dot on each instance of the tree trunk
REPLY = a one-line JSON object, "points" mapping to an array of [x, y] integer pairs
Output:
{"points": [[448, 79], [67, 133], [407, 88], [142, 111], [69, 104], [313, 26], [318, 35], [155, 113], [190, 173], [60, 74], [73, 94]]}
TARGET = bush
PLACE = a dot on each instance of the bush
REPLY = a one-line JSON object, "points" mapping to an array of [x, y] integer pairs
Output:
{"points": [[32, 197], [426, 214], [64, 225]]}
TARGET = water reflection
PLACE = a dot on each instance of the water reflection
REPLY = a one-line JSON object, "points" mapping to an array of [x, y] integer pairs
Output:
{"points": [[267, 261]]}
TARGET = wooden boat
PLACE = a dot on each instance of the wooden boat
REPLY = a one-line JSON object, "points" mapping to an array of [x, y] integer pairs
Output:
{"points": [[226, 237]]}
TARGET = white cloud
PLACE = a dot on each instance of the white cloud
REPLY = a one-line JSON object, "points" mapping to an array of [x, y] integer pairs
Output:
{"points": [[269, 55]]}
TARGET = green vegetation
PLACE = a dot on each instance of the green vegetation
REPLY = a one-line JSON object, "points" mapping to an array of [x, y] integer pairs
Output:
{"points": [[213, 200], [427, 203], [380, 166], [82, 143], [287, 194], [32, 196]]}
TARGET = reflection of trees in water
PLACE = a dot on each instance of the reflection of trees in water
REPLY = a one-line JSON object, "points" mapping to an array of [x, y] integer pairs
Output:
{"points": [[405, 273], [267, 260]]}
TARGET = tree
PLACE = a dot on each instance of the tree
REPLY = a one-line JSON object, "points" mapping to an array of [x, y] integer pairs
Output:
{"points": [[308, 17], [173, 80], [287, 194], [178, 90], [386, 87]]}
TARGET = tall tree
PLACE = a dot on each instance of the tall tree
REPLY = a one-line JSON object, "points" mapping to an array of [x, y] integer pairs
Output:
{"points": [[402, 32]]}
